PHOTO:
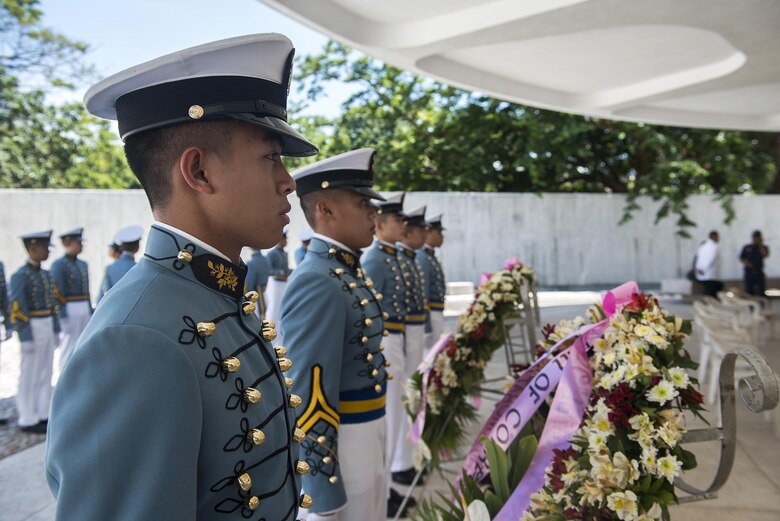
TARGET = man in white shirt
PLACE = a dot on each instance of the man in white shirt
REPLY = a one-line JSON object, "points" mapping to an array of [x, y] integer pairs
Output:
{"points": [[708, 265]]}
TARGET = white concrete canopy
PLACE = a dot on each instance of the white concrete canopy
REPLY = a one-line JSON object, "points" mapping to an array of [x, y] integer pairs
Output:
{"points": [[696, 63]]}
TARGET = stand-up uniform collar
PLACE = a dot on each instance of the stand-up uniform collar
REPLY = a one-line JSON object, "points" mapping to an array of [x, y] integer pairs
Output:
{"points": [[323, 245], [405, 249], [386, 247], [171, 249]]}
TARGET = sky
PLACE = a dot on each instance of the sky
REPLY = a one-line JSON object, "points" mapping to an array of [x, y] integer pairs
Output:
{"points": [[123, 33]]}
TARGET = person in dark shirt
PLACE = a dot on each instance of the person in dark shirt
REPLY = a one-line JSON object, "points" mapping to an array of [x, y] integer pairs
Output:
{"points": [[752, 258]]}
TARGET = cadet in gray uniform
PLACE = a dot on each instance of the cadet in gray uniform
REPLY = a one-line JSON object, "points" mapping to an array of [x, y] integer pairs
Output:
{"points": [[433, 274], [280, 271], [34, 317], [414, 330], [71, 278], [333, 325], [129, 241], [174, 405], [258, 271], [380, 263], [4, 306]]}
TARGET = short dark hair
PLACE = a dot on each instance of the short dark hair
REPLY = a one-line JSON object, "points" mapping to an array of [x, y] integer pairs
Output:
{"points": [[152, 154], [713, 233], [757, 233], [132, 247]]}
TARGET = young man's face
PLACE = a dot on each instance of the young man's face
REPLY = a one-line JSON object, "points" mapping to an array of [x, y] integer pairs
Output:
{"points": [[390, 228], [434, 237], [72, 246], [251, 209], [354, 216], [38, 252], [414, 237]]}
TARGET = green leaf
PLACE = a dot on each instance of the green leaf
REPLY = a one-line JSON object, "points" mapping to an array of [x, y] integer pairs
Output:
{"points": [[494, 504], [525, 449], [499, 470]]}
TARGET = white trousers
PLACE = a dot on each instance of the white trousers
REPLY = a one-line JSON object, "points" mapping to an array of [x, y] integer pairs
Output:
{"points": [[395, 414], [437, 328], [414, 340], [274, 293], [71, 328], [361, 458], [34, 396]]}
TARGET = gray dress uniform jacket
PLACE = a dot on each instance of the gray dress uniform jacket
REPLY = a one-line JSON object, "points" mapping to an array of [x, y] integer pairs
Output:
{"points": [[174, 405], [333, 326], [414, 280], [433, 277], [381, 264], [71, 277], [33, 295]]}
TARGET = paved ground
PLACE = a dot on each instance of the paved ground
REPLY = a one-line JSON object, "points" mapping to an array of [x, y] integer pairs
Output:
{"points": [[752, 492]]}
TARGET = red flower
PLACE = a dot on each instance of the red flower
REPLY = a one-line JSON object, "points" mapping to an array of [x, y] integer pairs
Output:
{"points": [[620, 402], [691, 396], [548, 330]]}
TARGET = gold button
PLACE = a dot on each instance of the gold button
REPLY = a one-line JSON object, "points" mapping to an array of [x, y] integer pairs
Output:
{"points": [[245, 482], [381, 348], [256, 436], [281, 351], [288, 381], [388, 261], [299, 435], [195, 111], [332, 250], [364, 302], [352, 285], [369, 357], [269, 334], [385, 315], [206, 328], [285, 364], [295, 401], [306, 501], [364, 340], [252, 502], [301, 467], [325, 184], [252, 296], [252, 395], [231, 364], [397, 277], [269, 324], [374, 372], [390, 376], [184, 256], [248, 308], [368, 322], [326, 460], [385, 333], [339, 271], [333, 480], [369, 283], [321, 440], [378, 388], [379, 296], [388, 363]]}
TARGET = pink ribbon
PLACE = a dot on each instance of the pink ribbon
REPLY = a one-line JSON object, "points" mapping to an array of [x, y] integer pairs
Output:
{"points": [[426, 366]]}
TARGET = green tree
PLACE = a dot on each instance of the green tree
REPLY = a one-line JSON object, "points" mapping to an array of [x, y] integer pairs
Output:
{"points": [[43, 145], [431, 136]]}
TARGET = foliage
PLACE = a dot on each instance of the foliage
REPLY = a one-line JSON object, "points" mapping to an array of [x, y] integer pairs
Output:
{"points": [[431, 136], [507, 468], [46, 145], [458, 365]]}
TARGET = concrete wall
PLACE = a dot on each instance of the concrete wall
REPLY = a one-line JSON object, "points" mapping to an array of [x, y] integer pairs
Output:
{"points": [[571, 239]]}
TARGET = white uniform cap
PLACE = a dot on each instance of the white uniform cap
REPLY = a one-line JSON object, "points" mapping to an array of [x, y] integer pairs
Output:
{"points": [[353, 171], [74, 233], [129, 234], [416, 217], [245, 78], [42, 236]]}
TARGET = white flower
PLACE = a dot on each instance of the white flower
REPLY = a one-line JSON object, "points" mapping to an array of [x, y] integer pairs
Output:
{"points": [[679, 377], [669, 467], [477, 511], [623, 504], [421, 455], [663, 392], [413, 399]]}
